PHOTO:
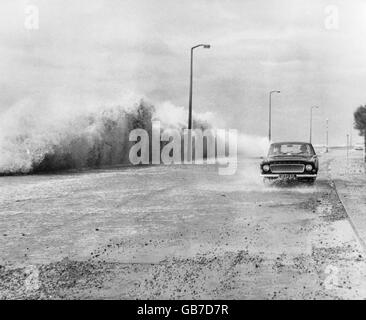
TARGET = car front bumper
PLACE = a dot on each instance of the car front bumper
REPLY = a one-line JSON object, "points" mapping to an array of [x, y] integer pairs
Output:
{"points": [[297, 175]]}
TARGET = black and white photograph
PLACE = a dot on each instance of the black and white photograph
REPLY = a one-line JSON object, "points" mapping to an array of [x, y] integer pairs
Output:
{"points": [[194, 150]]}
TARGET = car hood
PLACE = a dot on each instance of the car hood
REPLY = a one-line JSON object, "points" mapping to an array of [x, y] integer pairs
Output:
{"points": [[290, 158]]}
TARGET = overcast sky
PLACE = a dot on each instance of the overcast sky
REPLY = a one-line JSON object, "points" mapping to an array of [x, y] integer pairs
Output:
{"points": [[95, 51]]}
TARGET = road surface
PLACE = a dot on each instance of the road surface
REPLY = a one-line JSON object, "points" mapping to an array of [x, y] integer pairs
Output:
{"points": [[176, 232]]}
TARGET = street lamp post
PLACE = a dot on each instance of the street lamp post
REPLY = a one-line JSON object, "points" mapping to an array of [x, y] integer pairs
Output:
{"points": [[270, 114], [311, 120], [347, 149], [189, 146], [327, 136], [350, 137], [205, 46]]}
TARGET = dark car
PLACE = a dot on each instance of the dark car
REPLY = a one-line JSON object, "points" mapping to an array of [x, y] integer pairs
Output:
{"points": [[290, 160]]}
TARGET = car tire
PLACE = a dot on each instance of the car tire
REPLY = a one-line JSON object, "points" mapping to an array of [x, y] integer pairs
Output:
{"points": [[268, 181]]}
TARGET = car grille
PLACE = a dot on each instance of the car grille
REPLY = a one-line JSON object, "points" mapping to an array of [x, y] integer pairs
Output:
{"points": [[287, 168]]}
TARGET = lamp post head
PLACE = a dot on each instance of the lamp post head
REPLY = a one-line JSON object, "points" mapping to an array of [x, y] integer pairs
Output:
{"points": [[205, 46]]}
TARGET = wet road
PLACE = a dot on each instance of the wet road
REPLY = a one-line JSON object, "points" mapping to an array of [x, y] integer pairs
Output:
{"points": [[176, 232]]}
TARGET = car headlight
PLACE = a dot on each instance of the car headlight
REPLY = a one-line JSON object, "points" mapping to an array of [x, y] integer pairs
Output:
{"points": [[265, 167], [309, 167]]}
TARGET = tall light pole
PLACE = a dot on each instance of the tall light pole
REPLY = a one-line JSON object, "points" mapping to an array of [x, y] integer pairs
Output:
{"points": [[189, 147], [205, 46], [347, 149], [311, 120], [326, 135], [270, 114], [350, 137]]}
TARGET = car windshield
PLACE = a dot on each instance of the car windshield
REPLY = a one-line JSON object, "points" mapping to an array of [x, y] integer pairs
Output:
{"points": [[281, 149]]}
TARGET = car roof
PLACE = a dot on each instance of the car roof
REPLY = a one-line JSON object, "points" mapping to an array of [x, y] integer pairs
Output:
{"points": [[290, 142]]}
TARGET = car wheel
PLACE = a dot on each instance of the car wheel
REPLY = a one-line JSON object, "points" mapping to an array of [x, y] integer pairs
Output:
{"points": [[268, 181]]}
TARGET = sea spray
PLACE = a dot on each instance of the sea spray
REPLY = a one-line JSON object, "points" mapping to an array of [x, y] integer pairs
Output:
{"points": [[92, 139], [36, 137], [32, 141]]}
